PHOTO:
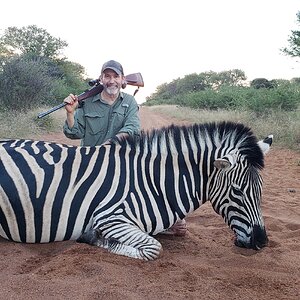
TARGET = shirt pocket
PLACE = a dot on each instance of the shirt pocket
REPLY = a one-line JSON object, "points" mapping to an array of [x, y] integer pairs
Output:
{"points": [[95, 123], [119, 118]]}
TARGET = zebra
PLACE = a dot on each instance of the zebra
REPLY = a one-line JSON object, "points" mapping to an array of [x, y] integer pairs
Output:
{"points": [[120, 195]]}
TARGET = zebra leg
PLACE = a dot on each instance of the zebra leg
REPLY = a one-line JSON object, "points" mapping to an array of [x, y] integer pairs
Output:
{"points": [[125, 239], [91, 237], [178, 229]]}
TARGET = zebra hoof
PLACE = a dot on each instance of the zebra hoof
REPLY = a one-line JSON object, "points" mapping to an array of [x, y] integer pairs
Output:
{"points": [[90, 237], [178, 229]]}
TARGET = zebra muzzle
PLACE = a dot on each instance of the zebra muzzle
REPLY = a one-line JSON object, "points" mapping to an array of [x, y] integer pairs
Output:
{"points": [[258, 239]]}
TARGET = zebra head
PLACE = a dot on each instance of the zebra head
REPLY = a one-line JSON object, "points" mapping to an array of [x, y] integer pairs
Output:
{"points": [[236, 191]]}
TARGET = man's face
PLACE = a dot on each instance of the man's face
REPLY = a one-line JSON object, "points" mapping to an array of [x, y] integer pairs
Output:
{"points": [[112, 82]]}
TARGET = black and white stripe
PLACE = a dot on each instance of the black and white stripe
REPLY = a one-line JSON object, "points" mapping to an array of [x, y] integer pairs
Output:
{"points": [[118, 196]]}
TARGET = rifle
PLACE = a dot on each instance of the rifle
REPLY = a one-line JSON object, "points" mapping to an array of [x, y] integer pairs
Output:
{"points": [[134, 79]]}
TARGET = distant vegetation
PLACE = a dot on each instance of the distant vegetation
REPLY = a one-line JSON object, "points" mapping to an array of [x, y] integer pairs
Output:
{"points": [[229, 90], [33, 70]]}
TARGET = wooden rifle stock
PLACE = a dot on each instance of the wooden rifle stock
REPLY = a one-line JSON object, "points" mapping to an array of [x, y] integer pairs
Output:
{"points": [[134, 79]]}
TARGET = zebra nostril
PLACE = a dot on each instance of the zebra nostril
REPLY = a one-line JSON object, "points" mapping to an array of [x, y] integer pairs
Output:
{"points": [[259, 238], [240, 244]]}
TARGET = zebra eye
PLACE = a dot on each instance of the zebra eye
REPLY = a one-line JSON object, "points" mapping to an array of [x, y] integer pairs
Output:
{"points": [[236, 188]]}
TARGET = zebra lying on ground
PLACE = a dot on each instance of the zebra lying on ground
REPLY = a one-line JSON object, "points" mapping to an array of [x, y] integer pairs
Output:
{"points": [[119, 195]]}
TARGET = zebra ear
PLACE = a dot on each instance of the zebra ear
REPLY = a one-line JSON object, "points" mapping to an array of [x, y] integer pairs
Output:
{"points": [[221, 163], [265, 144]]}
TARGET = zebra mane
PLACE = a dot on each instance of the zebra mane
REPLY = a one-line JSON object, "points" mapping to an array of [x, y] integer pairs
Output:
{"points": [[229, 135]]}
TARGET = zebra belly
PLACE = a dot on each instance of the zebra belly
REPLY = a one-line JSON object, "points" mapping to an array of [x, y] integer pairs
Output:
{"points": [[42, 221]]}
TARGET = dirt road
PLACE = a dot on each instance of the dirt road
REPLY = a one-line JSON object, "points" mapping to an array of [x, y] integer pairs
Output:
{"points": [[203, 265]]}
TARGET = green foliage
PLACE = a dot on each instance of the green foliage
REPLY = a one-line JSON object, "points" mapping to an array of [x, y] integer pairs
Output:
{"points": [[233, 77], [293, 49], [226, 90], [24, 84], [32, 73], [296, 80], [31, 39], [198, 82], [27, 81], [259, 83], [192, 83], [280, 98], [72, 76]]}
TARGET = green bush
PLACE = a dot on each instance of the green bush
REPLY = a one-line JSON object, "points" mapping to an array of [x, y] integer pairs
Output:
{"points": [[285, 97], [25, 84], [29, 81]]}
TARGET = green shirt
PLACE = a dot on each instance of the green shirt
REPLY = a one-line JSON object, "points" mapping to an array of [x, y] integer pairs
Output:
{"points": [[96, 121]]}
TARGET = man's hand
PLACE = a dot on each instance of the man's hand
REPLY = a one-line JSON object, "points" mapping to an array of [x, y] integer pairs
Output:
{"points": [[121, 135], [72, 103]]}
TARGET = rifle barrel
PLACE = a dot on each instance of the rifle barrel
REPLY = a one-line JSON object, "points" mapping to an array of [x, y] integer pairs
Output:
{"points": [[57, 107]]}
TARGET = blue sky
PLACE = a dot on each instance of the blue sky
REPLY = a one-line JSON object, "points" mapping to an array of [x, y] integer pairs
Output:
{"points": [[165, 39]]}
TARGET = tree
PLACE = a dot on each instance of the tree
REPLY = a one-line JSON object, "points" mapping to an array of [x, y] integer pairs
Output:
{"points": [[4, 51], [25, 83], [165, 90], [73, 76], [33, 71], [233, 77], [4, 54], [192, 83], [259, 83], [295, 80], [294, 42], [31, 39]]}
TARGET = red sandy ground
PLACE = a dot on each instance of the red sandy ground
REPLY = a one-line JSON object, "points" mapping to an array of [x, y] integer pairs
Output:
{"points": [[203, 265]]}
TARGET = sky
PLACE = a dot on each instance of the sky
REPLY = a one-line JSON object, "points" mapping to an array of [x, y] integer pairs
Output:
{"points": [[167, 39]]}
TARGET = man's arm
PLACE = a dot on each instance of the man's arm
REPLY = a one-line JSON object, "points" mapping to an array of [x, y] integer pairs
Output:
{"points": [[72, 104], [75, 124]]}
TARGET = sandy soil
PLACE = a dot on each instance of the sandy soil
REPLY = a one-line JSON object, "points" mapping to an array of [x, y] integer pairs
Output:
{"points": [[203, 265]]}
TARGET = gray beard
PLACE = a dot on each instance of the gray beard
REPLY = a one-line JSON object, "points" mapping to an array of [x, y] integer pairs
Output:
{"points": [[112, 90]]}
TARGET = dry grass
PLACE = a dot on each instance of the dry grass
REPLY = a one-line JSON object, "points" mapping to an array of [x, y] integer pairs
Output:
{"points": [[27, 125], [285, 126]]}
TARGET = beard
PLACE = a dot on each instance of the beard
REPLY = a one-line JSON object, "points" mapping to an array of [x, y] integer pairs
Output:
{"points": [[112, 90]]}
